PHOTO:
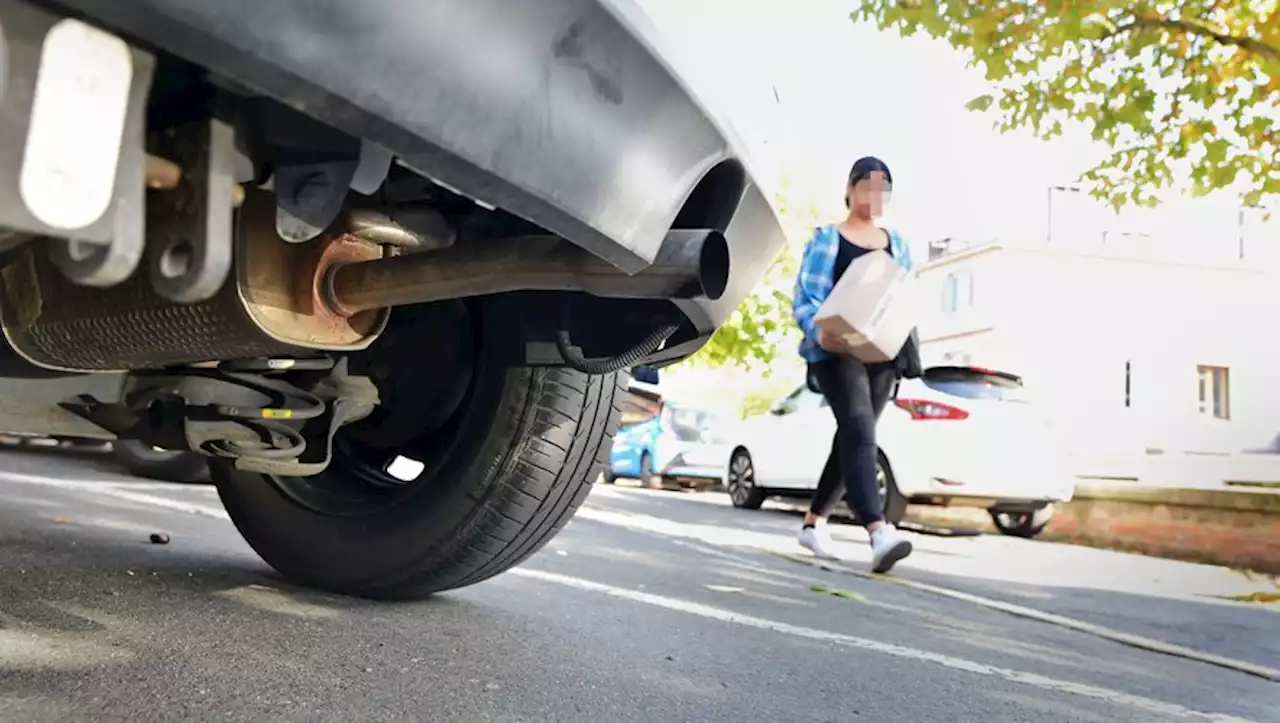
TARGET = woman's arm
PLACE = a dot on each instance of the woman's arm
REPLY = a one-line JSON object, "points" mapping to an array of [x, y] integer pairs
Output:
{"points": [[814, 281]]}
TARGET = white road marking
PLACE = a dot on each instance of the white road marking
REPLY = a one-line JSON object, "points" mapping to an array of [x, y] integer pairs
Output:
{"points": [[1035, 680], [216, 513], [122, 491], [765, 542], [1080, 626], [193, 489], [36, 479]]}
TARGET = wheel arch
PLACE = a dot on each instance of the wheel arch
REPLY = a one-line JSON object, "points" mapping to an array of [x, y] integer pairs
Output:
{"points": [[896, 501], [734, 449], [883, 456]]}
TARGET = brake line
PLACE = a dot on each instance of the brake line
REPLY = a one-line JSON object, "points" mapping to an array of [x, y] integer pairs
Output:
{"points": [[646, 346]]}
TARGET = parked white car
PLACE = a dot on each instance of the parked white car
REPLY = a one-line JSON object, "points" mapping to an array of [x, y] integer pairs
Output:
{"points": [[959, 436]]}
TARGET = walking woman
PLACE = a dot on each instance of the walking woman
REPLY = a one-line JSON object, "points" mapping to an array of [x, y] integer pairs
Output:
{"points": [[856, 392]]}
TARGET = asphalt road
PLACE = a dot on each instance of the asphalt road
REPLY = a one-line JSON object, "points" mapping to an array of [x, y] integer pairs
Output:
{"points": [[649, 607]]}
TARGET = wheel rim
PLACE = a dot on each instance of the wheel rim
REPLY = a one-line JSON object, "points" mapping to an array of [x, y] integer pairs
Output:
{"points": [[1013, 520], [741, 478], [359, 479], [882, 484]]}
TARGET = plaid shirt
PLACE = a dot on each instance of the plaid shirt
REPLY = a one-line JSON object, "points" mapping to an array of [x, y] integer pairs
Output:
{"points": [[816, 279]]}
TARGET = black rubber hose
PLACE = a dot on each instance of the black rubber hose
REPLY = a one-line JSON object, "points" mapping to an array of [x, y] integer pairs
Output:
{"points": [[625, 360]]}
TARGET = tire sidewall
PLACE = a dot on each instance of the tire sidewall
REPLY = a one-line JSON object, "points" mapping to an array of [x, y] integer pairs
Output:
{"points": [[748, 492]]}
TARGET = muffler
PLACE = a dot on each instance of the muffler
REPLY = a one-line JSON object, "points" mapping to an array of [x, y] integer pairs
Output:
{"points": [[690, 264]]}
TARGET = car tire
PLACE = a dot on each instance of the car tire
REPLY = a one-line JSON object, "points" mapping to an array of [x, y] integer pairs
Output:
{"points": [[893, 503], [648, 479], [165, 465], [740, 482], [507, 470], [1022, 523]]}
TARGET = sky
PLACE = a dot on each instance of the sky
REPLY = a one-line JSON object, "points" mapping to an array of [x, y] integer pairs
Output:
{"points": [[810, 92]]}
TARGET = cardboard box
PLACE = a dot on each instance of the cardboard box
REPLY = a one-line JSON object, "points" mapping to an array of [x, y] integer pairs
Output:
{"points": [[872, 307]]}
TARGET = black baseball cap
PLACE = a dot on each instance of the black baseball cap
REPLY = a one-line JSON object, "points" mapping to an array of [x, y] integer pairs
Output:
{"points": [[867, 165]]}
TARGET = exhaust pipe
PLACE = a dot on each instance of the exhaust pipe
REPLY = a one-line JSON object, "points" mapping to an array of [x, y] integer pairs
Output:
{"points": [[691, 263]]}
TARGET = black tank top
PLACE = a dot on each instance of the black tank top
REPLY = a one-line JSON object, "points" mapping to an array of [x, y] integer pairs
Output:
{"points": [[845, 255]]}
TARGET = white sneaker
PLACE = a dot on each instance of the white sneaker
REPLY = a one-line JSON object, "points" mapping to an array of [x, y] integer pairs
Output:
{"points": [[818, 541], [887, 547]]}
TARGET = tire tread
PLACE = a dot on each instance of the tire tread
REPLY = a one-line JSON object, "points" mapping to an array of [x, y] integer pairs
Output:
{"points": [[550, 437]]}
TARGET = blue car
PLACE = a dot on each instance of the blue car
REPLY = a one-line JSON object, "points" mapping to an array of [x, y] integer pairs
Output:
{"points": [[674, 444]]}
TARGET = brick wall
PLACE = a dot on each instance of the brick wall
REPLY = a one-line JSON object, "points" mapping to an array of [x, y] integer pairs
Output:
{"points": [[1239, 530]]}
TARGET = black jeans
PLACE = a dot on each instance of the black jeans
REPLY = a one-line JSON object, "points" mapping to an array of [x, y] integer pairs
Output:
{"points": [[857, 394]]}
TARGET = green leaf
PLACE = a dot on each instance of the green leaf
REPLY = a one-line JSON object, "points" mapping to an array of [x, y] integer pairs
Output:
{"points": [[981, 103], [823, 589]]}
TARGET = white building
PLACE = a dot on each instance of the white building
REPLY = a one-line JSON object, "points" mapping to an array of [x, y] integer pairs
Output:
{"points": [[1134, 348]]}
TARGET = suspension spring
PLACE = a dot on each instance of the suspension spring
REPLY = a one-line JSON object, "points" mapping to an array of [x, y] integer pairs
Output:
{"points": [[277, 440], [275, 427]]}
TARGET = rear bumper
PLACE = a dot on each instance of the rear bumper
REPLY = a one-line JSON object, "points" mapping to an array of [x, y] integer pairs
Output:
{"points": [[1021, 501], [565, 112], [982, 480], [694, 460], [694, 472]]}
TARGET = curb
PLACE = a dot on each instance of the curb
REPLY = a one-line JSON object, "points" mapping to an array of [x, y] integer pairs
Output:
{"points": [[1129, 639], [1234, 499]]}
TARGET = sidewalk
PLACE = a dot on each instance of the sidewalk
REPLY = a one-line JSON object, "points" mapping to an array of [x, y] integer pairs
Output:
{"points": [[1209, 471]]}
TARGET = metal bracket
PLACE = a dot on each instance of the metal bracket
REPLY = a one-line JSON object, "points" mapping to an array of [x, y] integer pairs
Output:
{"points": [[79, 185], [374, 165], [191, 225], [310, 197]]}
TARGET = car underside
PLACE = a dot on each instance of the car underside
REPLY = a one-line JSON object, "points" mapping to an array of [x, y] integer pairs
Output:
{"points": [[322, 243]]}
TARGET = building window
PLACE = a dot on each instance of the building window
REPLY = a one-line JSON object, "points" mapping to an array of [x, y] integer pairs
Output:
{"points": [[957, 292], [951, 293], [1214, 387], [1128, 384]]}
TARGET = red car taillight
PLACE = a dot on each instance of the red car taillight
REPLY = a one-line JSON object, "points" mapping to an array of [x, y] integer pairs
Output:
{"points": [[921, 409]]}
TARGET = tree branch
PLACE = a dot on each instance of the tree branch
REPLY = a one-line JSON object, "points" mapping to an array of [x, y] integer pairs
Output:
{"points": [[1191, 27]]}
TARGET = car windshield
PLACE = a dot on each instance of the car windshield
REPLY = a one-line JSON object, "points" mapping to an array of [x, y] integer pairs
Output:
{"points": [[969, 383], [691, 424]]}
